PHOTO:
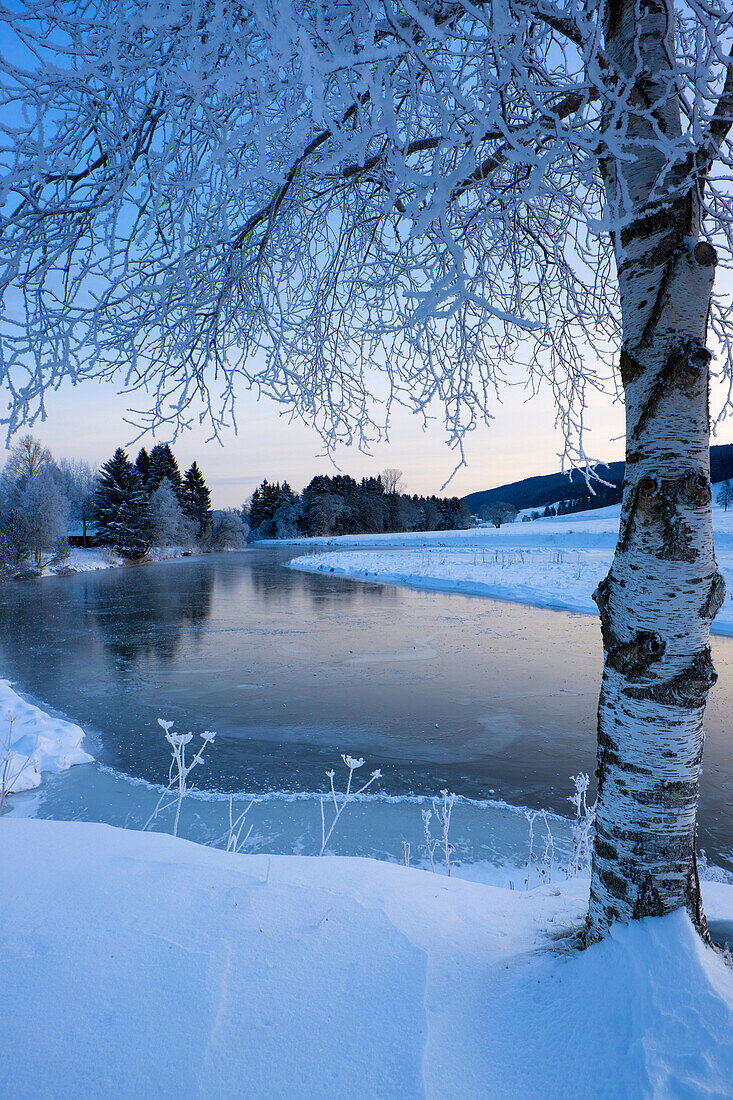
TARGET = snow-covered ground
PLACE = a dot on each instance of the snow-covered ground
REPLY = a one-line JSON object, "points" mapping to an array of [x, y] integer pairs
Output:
{"points": [[79, 560], [554, 563], [84, 561], [32, 742], [138, 965]]}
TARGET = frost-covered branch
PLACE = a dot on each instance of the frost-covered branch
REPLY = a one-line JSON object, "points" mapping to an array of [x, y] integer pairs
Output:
{"points": [[441, 809], [235, 841], [583, 826], [13, 764], [304, 195]]}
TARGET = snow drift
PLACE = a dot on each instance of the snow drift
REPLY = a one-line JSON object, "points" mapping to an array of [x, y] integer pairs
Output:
{"points": [[37, 742], [136, 964]]}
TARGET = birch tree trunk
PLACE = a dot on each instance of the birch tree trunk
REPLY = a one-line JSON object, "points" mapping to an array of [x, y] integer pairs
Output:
{"points": [[664, 589]]}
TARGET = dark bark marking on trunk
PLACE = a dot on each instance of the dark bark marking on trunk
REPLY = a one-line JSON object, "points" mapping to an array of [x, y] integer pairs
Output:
{"points": [[667, 249], [654, 501], [647, 225], [693, 894], [705, 254], [611, 757], [649, 902], [715, 598], [600, 597], [689, 689], [681, 216], [633, 659], [603, 847], [613, 17], [630, 368], [660, 300], [628, 511], [613, 883], [683, 368]]}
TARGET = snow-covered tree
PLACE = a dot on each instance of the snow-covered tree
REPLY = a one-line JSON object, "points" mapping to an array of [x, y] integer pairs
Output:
{"points": [[306, 191], [40, 516], [195, 498], [78, 483], [122, 507], [34, 504], [725, 495], [228, 530], [170, 525], [33, 518], [26, 459]]}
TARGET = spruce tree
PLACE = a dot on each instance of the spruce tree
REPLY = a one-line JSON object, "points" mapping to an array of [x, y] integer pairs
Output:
{"points": [[122, 507], [142, 465], [195, 498], [163, 464], [266, 501]]}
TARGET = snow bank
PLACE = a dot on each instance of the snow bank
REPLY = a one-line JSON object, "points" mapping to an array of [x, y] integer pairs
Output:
{"points": [[545, 578], [87, 561], [32, 742], [135, 964], [553, 563]]}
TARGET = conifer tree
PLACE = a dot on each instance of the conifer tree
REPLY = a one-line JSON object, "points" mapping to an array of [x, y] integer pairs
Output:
{"points": [[142, 465], [195, 498], [122, 507], [163, 464]]}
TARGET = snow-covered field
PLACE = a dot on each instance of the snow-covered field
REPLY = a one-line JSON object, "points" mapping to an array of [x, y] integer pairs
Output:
{"points": [[32, 742], [138, 965], [554, 563]]}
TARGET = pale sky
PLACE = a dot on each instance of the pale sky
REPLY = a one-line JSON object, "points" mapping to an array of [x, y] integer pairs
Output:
{"points": [[88, 421]]}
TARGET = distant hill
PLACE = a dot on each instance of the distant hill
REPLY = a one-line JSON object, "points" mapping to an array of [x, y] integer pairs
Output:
{"points": [[548, 489]]}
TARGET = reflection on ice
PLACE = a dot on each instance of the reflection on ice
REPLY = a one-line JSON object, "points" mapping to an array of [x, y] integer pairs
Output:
{"points": [[292, 669]]}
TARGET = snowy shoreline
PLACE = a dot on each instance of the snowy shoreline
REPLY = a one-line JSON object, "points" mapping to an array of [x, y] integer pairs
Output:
{"points": [[33, 742], [549, 563], [95, 559]]}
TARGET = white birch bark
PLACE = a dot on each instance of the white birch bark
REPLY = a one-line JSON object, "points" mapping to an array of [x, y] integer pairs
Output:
{"points": [[664, 589]]}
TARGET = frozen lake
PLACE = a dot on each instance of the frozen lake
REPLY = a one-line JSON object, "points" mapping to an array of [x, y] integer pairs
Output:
{"points": [[495, 701]]}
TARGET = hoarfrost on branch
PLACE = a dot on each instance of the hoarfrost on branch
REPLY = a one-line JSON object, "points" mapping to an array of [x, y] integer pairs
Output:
{"points": [[297, 197]]}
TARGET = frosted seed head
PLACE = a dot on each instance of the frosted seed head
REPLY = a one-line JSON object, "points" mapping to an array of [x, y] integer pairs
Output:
{"points": [[178, 740]]}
